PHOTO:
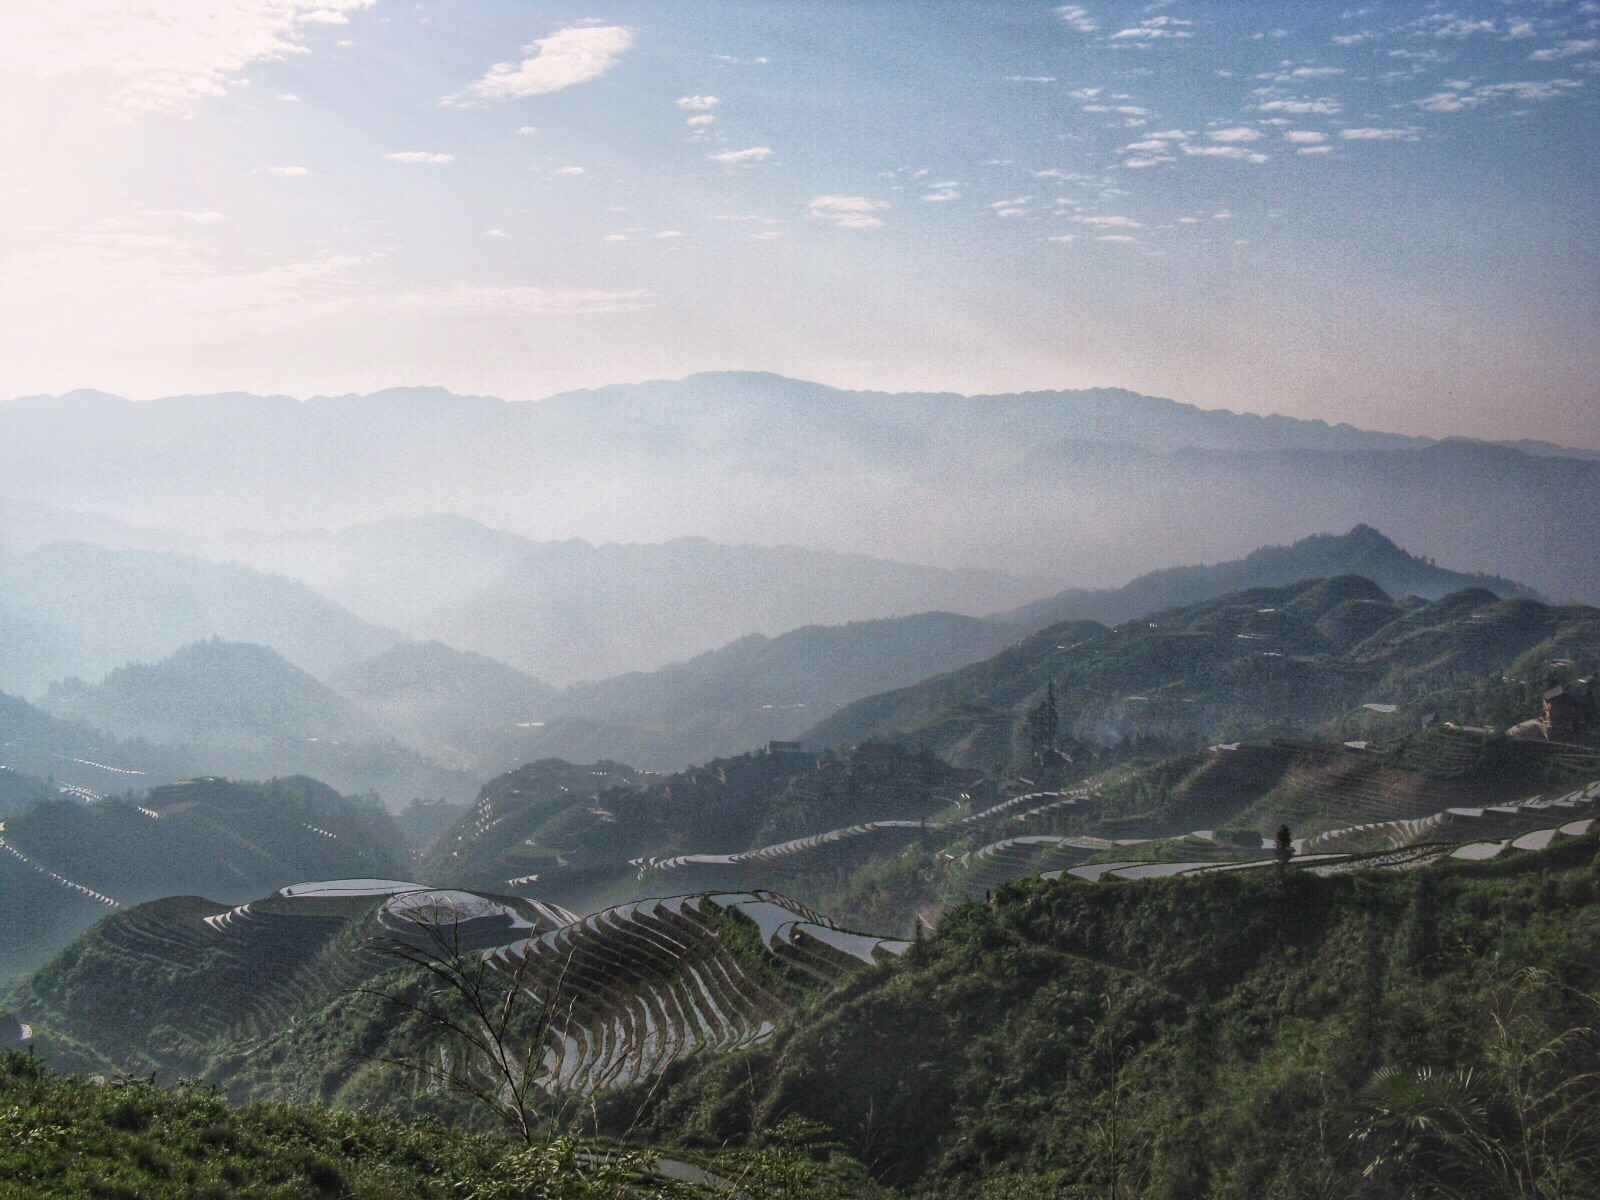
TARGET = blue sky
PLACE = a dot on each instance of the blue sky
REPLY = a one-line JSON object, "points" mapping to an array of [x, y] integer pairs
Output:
{"points": [[1384, 213]]}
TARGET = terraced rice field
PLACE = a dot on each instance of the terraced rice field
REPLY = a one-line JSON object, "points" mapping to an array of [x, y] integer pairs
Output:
{"points": [[1397, 845], [630, 989], [785, 853]]}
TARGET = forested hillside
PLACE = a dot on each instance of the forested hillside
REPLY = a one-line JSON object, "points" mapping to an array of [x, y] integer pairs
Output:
{"points": [[1234, 1036], [65, 862], [1291, 661]]}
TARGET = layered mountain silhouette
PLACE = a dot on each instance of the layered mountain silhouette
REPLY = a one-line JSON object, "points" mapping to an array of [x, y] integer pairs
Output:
{"points": [[1093, 485], [1363, 551], [242, 710], [69, 608]]}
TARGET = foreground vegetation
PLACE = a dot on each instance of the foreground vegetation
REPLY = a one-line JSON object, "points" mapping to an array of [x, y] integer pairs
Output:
{"points": [[1434, 1034], [70, 1138]]}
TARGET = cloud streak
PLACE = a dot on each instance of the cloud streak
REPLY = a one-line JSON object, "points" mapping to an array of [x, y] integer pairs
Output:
{"points": [[570, 56], [847, 212]]}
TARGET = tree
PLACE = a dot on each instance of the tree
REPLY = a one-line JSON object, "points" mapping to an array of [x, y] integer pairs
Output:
{"points": [[1284, 848], [1044, 723], [485, 1048]]}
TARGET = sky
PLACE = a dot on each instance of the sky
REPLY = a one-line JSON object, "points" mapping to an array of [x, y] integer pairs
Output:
{"points": [[1384, 214]]}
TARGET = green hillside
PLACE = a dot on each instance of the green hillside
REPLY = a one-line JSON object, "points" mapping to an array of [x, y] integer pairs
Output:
{"points": [[1221, 1035], [1289, 661], [69, 1138], [19, 791], [214, 693], [65, 863], [1215, 1037], [34, 742], [580, 835]]}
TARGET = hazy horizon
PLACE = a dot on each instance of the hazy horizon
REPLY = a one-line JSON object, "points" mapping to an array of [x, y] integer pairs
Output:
{"points": [[1381, 216]]}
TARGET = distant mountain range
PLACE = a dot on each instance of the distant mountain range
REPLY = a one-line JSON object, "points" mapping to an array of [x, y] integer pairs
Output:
{"points": [[1093, 485], [425, 719], [561, 611], [757, 688]]}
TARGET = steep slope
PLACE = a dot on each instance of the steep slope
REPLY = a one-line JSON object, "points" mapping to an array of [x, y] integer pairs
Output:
{"points": [[63, 863], [1363, 551], [19, 791], [94, 609], [1268, 659], [257, 996]]}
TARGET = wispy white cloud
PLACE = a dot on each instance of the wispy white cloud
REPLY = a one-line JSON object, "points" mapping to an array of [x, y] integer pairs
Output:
{"points": [[1571, 48], [570, 172], [1463, 94], [161, 56], [1112, 222], [1017, 207], [753, 154], [1152, 28], [1307, 137], [1031, 78], [941, 192], [1236, 152], [1239, 133], [1407, 134], [847, 212], [288, 171], [697, 103], [1077, 16], [419, 156], [567, 57], [700, 120], [196, 218], [1323, 107]]}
